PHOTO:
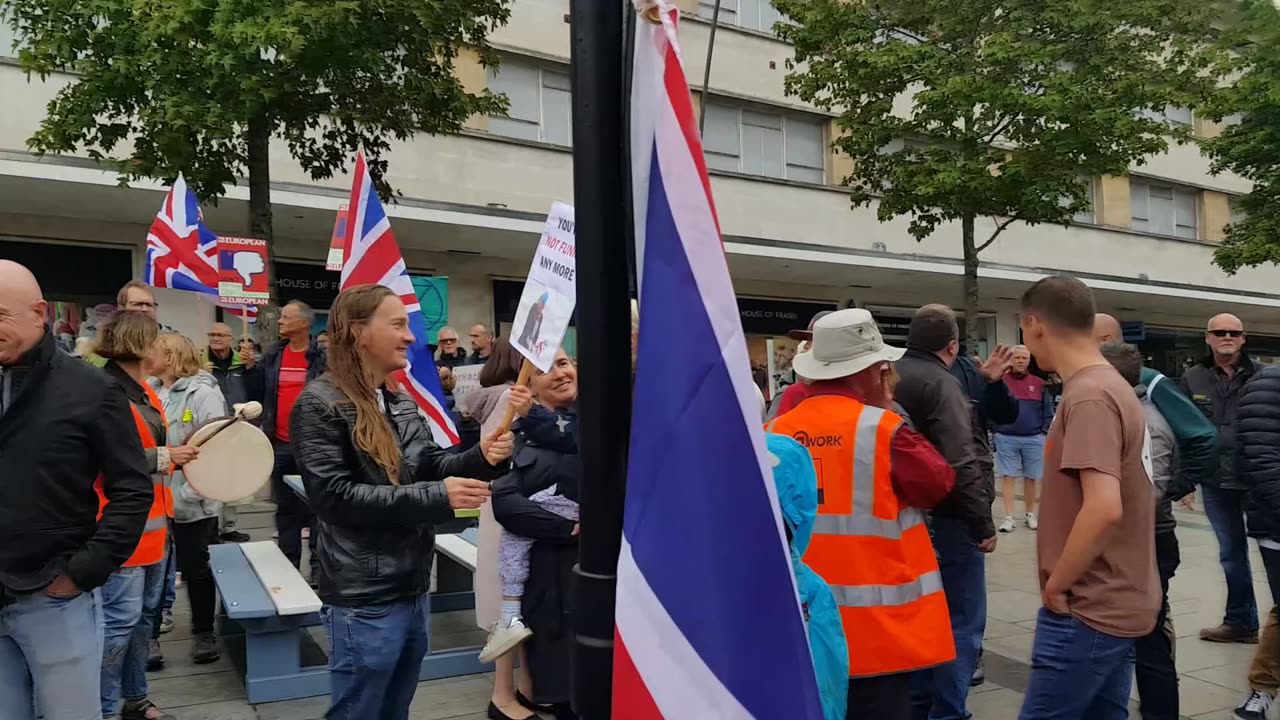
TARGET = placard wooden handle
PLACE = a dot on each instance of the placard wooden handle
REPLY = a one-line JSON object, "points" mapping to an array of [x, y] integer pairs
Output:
{"points": [[526, 373]]}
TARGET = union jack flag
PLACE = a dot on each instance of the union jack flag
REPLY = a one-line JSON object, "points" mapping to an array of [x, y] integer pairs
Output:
{"points": [[373, 257], [182, 253], [708, 622]]}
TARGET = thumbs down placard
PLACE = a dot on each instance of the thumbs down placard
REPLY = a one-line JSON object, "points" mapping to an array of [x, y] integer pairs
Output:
{"points": [[242, 271]]}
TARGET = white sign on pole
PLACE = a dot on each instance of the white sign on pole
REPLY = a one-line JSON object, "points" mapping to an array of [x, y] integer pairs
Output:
{"points": [[466, 379], [546, 305]]}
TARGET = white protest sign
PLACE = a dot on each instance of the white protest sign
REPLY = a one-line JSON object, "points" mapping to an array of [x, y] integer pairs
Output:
{"points": [[466, 379], [550, 293]]}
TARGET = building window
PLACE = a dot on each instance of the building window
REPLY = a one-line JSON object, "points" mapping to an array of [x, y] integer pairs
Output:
{"points": [[1172, 115], [758, 142], [8, 39], [1235, 212], [538, 99], [750, 14], [1164, 209], [1086, 215]]}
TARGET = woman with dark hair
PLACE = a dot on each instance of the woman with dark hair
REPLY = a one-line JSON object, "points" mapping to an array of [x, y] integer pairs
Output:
{"points": [[378, 484], [546, 457]]}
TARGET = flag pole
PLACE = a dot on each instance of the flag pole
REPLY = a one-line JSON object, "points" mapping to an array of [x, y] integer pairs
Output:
{"points": [[601, 198]]}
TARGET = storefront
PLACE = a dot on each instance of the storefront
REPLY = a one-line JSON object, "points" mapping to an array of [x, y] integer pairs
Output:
{"points": [[895, 324], [1172, 350], [766, 323], [78, 292]]}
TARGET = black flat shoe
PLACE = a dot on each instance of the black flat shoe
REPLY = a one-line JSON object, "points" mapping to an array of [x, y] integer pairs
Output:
{"points": [[531, 705], [496, 714]]}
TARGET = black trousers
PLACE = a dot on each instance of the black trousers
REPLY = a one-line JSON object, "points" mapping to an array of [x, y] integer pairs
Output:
{"points": [[292, 513], [887, 697], [1154, 670], [191, 543]]}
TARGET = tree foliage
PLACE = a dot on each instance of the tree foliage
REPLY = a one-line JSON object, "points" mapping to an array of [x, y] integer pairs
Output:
{"points": [[1251, 147], [954, 111], [169, 86]]}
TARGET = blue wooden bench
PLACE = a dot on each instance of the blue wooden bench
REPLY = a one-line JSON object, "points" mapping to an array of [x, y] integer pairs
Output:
{"points": [[265, 599], [273, 640]]}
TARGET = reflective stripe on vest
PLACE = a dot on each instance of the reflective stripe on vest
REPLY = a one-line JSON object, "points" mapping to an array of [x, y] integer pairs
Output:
{"points": [[874, 552], [151, 546], [878, 595]]}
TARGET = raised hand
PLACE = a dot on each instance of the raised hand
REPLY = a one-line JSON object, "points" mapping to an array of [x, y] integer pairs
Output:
{"points": [[996, 365]]}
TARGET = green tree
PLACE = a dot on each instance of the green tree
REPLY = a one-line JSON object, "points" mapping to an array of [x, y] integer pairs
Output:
{"points": [[203, 87], [1000, 109], [1251, 147]]}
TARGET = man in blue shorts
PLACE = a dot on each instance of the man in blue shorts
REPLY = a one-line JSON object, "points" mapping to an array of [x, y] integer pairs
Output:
{"points": [[1020, 444]]}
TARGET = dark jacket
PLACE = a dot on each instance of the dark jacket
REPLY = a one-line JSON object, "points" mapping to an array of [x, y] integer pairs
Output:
{"points": [[1035, 406], [1218, 396], [239, 384], [269, 363], [548, 603], [376, 539], [1257, 451], [62, 423], [940, 410], [453, 360], [991, 404]]}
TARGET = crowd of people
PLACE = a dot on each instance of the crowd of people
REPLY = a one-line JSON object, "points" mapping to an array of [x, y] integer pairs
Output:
{"points": [[908, 442], [885, 461]]}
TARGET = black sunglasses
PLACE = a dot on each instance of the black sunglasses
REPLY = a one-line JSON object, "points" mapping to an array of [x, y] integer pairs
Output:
{"points": [[1226, 333]]}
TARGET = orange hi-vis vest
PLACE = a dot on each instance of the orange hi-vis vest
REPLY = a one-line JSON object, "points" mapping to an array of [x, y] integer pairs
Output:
{"points": [[151, 547], [874, 552]]}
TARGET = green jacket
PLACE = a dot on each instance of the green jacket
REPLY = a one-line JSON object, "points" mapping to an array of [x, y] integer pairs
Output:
{"points": [[1196, 437], [95, 360]]}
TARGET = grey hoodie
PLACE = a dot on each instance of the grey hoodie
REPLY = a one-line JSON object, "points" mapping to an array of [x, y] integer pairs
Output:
{"points": [[1164, 460], [188, 404]]}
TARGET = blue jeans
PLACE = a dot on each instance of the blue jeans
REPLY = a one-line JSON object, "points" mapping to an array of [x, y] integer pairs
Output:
{"points": [[130, 601], [375, 657], [1077, 673], [1225, 509], [941, 692], [50, 655]]}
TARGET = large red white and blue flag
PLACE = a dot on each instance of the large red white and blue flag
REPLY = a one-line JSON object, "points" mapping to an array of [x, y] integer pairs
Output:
{"points": [[371, 256], [708, 621], [182, 252]]}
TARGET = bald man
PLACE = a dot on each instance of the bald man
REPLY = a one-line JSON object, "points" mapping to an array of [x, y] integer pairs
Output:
{"points": [[1215, 385], [63, 423]]}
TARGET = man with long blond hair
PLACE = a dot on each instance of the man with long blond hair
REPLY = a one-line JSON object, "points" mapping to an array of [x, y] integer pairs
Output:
{"points": [[378, 484]]}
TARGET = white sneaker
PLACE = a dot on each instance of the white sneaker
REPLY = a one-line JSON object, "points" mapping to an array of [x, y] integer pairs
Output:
{"points": [[505, 638], [1255, 707], [1032, 522], [1008, 525]]}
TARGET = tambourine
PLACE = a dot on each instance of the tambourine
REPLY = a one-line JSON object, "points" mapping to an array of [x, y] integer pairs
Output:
{"points": [[235, 459]]}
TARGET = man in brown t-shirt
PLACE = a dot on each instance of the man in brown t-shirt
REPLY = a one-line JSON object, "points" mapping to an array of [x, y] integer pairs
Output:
{"points": [[1096, 544]]}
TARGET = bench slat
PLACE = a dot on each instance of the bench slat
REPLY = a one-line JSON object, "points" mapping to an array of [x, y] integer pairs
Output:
{"points": [[281, 580], [242, 593], [458, 549]]}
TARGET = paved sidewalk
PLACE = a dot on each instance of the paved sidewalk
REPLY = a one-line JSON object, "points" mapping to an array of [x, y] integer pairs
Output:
{"points": [[1213, 676]]}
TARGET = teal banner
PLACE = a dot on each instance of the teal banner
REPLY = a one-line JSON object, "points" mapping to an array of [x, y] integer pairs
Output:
{"points": [[433, 295]]}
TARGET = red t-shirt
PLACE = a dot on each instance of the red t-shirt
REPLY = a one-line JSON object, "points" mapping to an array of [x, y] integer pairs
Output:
{"points": [[293, 377]]}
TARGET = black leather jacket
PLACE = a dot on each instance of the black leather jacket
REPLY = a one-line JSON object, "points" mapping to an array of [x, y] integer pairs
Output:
{"points": [[376, 539]]}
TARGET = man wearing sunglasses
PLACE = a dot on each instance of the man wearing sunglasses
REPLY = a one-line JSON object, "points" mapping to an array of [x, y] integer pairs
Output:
{"points": [[1215, 386]]}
